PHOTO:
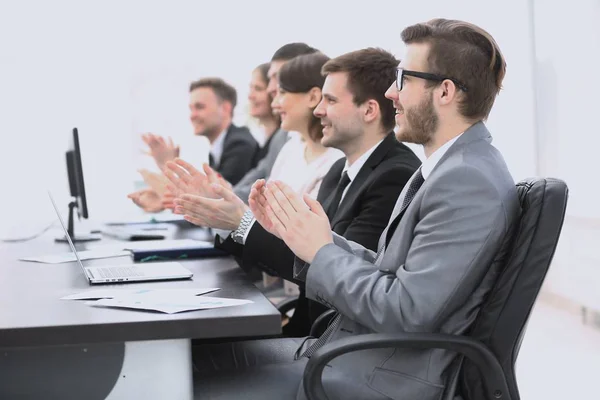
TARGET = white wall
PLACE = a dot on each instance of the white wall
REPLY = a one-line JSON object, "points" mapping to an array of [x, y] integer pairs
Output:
{"points": [[568, 55], [116, 68], [567, 42]]}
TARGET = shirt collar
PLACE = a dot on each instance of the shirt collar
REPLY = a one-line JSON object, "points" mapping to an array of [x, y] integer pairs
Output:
{"points": [[355, 168], [430, 163], [216, 148]]}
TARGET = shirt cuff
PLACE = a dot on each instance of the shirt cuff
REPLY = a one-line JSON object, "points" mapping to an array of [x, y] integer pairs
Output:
{"points": [[222, 233], [248, 230]]}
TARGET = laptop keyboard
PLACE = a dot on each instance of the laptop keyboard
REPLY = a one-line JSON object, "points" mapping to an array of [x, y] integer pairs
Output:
{"points": [[120, 272]]}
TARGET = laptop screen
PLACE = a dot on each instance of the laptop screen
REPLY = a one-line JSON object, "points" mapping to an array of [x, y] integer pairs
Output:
{"points": [[62, 223]]}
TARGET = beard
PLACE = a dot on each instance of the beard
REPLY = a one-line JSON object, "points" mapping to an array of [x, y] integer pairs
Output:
{"points": [[421, 122]]}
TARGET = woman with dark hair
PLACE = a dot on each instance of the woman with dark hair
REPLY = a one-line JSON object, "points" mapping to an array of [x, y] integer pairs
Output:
{"points": [[259, 101], [303, 161]]}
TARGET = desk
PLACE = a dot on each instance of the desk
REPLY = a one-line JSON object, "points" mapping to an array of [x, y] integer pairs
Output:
{"points": [[52, 348]]}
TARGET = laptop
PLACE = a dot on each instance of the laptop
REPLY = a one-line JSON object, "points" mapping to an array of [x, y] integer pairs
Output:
{"points": [[128, 272]]}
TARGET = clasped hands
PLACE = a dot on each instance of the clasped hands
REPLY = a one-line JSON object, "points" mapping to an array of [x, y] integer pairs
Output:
{"points": [[300, 222], [203, 198]]}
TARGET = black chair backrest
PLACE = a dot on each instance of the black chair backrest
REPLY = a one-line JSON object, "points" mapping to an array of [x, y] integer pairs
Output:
{"points": [[502, 319]]}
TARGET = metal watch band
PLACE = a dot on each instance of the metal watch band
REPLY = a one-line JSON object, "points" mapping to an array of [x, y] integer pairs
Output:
{"points": [[240, 232]]}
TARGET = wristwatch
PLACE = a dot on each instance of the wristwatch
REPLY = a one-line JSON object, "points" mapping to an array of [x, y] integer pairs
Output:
{"points": [[239, 234]]}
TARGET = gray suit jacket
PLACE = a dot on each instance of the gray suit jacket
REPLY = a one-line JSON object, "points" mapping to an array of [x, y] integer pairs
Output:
{"points": [[440, 262], [263, 169]]}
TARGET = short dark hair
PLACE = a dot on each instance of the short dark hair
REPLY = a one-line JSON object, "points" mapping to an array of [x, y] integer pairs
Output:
{"points": [[263, 69], [300, 75], [370, 73], [466, 53], [223, 90], [291, 50]]}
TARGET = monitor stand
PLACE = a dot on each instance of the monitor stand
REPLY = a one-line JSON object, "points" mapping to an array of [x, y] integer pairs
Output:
{"points": [[80, 237]]}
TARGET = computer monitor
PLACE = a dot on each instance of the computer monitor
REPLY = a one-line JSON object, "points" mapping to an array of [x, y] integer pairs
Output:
{"points": [[77, 189]]}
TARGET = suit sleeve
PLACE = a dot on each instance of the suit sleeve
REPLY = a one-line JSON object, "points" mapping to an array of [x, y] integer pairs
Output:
{"points": [[268, 253], [453, 244], [237, 159]]}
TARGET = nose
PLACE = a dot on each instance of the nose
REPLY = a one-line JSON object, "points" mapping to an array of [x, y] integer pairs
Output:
{"points": [[392, 92], [319, 111], [275, 102]]}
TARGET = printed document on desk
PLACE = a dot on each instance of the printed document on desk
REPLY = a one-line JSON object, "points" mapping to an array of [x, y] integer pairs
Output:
{"points": [[152, 294], [169, 306]]}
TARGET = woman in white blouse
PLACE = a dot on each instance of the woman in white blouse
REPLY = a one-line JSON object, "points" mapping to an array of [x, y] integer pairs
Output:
{"points": [[303, 161]]}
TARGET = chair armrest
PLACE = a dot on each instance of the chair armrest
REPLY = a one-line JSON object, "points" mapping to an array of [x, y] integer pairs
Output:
{"points": [[320, 324], [287, 305], [491, 371]]}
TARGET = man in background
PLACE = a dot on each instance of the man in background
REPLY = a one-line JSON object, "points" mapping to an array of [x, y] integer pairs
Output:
{"points": [[157, 198], [232, 148]]}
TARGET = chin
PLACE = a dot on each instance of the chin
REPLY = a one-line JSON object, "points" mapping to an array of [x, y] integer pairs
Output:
{"points": [[401, 136]]}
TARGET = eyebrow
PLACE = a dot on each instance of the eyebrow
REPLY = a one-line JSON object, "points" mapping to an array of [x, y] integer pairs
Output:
{"points": [[329, 97]]}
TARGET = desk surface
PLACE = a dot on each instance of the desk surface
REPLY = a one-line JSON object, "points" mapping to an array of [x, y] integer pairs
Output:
{"points": [[32, 314]]}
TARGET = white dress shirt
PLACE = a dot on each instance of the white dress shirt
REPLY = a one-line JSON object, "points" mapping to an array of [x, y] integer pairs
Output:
{"points": [[355, 168], [430, 163], [216, 147]]}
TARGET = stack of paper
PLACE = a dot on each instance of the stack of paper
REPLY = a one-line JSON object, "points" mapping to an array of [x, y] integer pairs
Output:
{"points": [[164, 300]]}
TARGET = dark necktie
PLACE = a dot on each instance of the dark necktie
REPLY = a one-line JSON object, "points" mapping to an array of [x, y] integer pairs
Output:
{"points": [[335, 322], [211, 161], [337, 195], [331, 210]]}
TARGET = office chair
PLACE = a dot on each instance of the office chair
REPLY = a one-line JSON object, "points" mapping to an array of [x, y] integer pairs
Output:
{"points": [[489, 351]]}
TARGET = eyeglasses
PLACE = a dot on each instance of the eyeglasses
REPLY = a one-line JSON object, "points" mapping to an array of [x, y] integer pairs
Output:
{"points": [[401, 73]]}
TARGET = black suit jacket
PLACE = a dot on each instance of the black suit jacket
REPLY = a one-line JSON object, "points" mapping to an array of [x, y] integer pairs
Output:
{"points": [[362, 216], [239, 149]]}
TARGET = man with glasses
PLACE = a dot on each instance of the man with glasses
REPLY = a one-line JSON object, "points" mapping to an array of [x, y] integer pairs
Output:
{"points": [[436, 260]]}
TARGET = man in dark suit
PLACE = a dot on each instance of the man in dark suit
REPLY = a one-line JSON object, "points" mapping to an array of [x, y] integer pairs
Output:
{"points": [[360, 216], [359, 191], [232, 150]]}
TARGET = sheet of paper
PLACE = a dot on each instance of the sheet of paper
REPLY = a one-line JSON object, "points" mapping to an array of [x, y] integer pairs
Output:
{"points": [[175, 305], [83, 255], [153, 294]]}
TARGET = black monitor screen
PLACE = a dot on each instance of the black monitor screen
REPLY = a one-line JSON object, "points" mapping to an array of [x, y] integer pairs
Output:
{"points": [[75, 173]]}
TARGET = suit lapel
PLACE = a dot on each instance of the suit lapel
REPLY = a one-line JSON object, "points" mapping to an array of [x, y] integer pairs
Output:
{"points": [[225, 147], [329, 184], [356, 185], [478, 131]]}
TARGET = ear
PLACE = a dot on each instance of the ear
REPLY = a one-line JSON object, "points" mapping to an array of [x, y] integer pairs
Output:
{"points": [[447, 92], [314, 97], [371, 110], [227, 108]]}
